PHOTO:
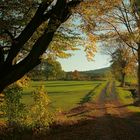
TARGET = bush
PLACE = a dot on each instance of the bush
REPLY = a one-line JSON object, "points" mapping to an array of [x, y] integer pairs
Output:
{"points": [[13, 108], [39, 118], [35, 118]]}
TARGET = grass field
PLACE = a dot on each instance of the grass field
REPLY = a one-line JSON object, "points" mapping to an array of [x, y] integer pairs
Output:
{"points": [[65, 95], [125, 97], [131, 79]]}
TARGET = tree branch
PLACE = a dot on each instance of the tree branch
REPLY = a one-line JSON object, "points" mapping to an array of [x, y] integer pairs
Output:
{"points": [[115, 28], [9, 34], [25, 35], [14, 72]]}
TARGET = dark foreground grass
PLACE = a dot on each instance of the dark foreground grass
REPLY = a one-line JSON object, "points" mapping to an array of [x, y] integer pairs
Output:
{"points": [[99, 121]]}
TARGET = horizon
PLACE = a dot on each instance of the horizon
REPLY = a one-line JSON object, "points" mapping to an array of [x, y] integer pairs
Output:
{"points": [[79, 62], [90, 69]]}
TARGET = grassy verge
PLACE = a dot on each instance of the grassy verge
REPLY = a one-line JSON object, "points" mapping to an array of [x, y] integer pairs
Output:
{"points": [[109, 89], [99, 90], [132, 80], [126, 98]]}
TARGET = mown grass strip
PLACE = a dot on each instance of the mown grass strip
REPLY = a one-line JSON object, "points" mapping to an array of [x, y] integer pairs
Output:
{"points": [[99, 90], [126, 98]]}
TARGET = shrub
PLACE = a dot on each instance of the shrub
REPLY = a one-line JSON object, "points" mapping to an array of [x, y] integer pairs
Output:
{"points": [[39, 117], [36, 117], [13, 108]]}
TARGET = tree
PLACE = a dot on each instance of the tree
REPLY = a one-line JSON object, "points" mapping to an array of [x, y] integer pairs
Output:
{"points": [[49, 69], [53, 70], [18, 59], [123, 63], [37, 73], [76, 75], [54, 13], [122, 22]]}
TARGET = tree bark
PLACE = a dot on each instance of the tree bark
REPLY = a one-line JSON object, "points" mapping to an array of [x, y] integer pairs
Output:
{"points": [[33, 59], [25, 35], [123, 80], [139, 70], [137, 103], [10, 73]]}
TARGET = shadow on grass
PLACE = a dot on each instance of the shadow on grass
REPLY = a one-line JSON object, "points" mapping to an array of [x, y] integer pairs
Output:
{"points": [[64, 85], [125, 105], [89, 95], [106, 127]]}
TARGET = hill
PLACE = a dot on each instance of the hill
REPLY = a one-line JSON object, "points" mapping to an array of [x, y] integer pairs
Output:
{"points": [[97, 72]]}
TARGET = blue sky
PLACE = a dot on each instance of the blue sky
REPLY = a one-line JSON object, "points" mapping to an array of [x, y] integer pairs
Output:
{"points": [[79, 62]]}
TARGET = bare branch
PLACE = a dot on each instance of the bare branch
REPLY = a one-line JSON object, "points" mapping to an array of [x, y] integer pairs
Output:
{"points": [[115, 28]]}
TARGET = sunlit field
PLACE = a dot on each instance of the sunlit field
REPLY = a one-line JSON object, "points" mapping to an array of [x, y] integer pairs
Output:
{"points": [[64, 95]]}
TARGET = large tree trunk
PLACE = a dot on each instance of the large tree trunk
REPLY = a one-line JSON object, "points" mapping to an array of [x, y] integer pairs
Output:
{"points": [[9, 72], [17, 71], [123, 80], [139, 70], [137, 103]]}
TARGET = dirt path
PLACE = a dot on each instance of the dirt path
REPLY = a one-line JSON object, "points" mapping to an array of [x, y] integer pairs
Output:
{"points": [[103, 120], [114, 124]]}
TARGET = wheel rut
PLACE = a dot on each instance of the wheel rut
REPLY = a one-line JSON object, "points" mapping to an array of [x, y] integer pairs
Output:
{"points": [[102, 120], [113, 123]]}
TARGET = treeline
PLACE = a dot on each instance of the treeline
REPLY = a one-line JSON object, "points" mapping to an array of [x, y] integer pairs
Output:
{"points": [[51, 69]]}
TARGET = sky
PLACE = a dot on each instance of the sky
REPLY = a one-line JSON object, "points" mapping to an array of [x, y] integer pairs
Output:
{"points": [[79, 62]]}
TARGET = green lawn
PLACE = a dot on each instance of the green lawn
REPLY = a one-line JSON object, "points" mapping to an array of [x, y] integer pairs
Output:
{"points": [[131, 79], [65, 95], [126, 98]]}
